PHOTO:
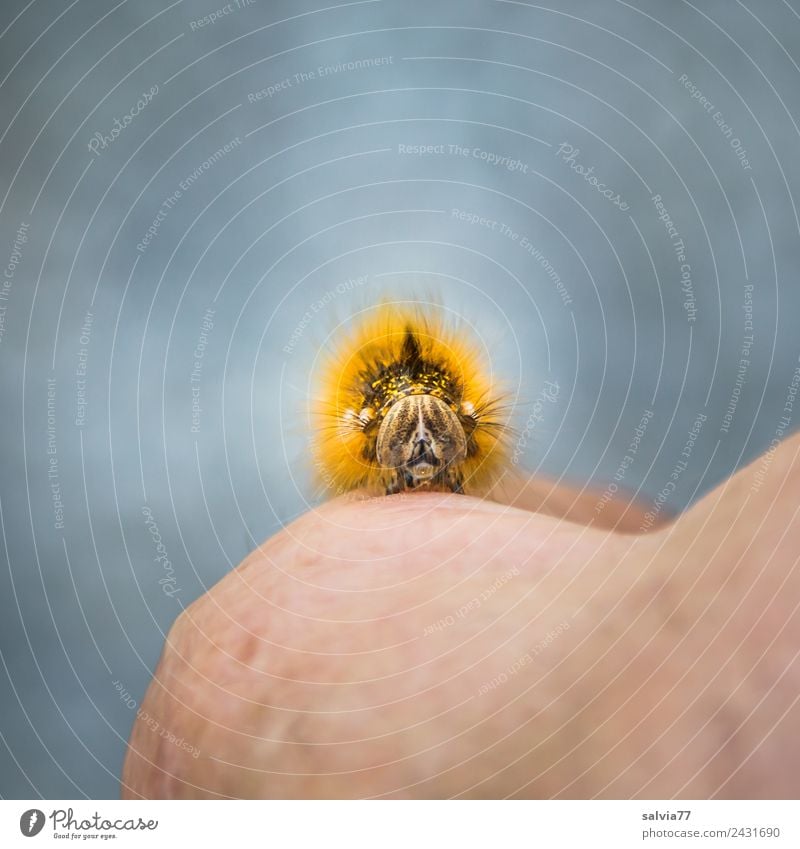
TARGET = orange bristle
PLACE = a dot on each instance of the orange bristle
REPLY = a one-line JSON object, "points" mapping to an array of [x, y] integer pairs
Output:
{"points": [[394, 351]]}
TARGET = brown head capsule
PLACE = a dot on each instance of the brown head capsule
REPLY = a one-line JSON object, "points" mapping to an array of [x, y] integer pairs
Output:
{"points": [[420, 442]]}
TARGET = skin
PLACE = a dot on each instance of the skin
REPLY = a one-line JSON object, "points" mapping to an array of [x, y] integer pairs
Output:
{"points": [[431, 645]]}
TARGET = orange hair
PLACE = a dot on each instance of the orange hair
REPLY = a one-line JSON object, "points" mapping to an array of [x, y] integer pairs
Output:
{"points": [[396, 350]]}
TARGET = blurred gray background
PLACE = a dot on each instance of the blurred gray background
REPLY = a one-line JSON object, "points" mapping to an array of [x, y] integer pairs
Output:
{"points": [[593, 186]]}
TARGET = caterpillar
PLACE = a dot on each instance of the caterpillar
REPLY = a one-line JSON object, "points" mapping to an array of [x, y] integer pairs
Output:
{"points": [[405, 401]]}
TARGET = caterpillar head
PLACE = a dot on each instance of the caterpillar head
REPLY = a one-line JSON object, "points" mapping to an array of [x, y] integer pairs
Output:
{"points": [[421, 441], [407, 402]]}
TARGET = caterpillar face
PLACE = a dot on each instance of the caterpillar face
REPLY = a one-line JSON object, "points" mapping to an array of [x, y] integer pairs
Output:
{"points": [[406, 403], [421, 441]]}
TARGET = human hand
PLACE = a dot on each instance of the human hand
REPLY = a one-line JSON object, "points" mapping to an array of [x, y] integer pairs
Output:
{"points": [[427, 645]]}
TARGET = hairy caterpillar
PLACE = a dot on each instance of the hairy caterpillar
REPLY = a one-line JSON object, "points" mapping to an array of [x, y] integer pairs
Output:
{"points": [[406, 402]]}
